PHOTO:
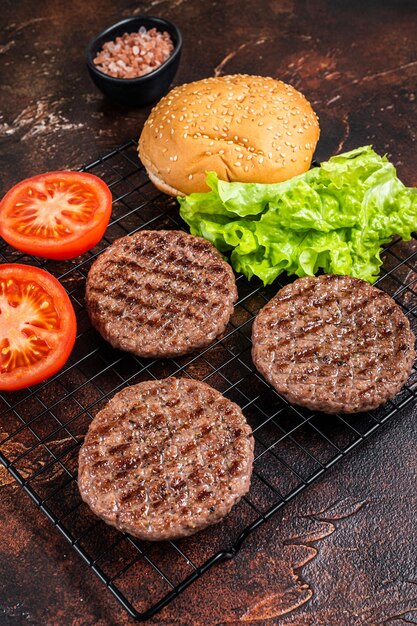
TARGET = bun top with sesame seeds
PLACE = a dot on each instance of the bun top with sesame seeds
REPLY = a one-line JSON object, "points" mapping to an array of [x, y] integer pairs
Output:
{"points": [[245, 128]]}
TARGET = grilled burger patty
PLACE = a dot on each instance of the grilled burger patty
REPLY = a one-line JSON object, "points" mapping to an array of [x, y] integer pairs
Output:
{"points": [[165, 459], [333, 344], [160, 293]]}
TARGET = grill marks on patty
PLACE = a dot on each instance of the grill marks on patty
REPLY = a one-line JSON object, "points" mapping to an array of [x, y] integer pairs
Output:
{"points": [[160, 293], [333, 344], [166, 458]]}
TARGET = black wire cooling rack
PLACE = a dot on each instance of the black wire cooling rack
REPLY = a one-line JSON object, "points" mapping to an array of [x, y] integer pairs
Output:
{"points": [[41, 429]]}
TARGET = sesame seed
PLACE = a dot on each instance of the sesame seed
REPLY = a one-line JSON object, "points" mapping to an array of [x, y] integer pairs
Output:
{"points": [[190, 177], [261, 159], [185, 135], [238, 163], [246, 168], [221, 151]]}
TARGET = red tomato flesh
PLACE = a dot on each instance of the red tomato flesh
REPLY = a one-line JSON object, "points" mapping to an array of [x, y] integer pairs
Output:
{"points": [[37, 326], [58, 215]]}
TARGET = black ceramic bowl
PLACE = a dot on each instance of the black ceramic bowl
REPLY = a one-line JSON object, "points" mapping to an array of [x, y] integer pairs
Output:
{"points": [[144, 89]]}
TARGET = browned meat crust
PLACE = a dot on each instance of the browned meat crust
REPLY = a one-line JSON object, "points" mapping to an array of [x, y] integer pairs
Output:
{"points": [[166, 458], [333, 344], [160, 293]]}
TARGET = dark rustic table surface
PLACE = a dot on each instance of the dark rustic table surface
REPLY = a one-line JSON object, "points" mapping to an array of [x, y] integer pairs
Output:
{"points": [[343, 553]]}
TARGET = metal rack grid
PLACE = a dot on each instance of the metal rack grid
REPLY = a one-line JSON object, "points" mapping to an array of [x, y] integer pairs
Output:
{"points": [[42, 428]]}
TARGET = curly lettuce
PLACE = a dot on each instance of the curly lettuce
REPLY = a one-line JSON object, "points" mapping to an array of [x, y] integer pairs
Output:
{"points": [[334, 218]]}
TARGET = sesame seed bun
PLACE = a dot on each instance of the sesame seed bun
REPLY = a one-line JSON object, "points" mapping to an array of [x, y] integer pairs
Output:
{"points": [[246, 128]]}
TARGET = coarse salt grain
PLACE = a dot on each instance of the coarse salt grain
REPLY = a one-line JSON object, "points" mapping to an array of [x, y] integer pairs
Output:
{"points": [[134, 54]]}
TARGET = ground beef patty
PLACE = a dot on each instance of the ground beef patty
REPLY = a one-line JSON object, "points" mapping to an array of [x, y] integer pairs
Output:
{"points": [[160, 293], [333, 344], [165, 459]]}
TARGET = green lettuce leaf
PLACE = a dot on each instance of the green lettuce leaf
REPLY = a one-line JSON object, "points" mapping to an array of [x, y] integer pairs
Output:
{"points": [[334, 218]]}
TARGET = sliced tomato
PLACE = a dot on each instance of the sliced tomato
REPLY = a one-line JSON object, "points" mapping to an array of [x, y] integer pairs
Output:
{"points": [[37, 326], [58, 215]]}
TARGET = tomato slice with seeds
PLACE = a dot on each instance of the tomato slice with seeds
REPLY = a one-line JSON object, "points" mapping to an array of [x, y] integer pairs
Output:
{"points": [[58, 215], [37, 326]]}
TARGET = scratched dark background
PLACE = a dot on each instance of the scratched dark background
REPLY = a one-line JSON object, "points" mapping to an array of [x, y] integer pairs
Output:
{"points": [[344, 552]]}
